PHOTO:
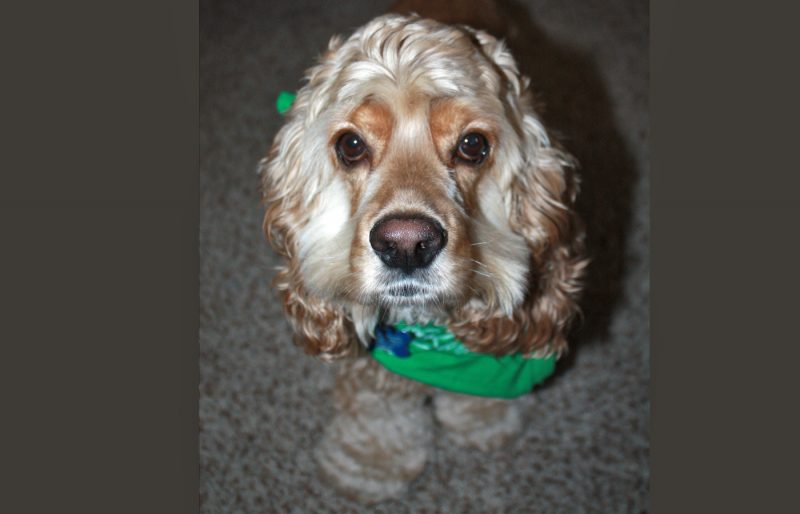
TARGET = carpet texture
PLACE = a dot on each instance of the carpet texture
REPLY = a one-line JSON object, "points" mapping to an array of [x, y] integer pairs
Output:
{"points": [[263, 403]]}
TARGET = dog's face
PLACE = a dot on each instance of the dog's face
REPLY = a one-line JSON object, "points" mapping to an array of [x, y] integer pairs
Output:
{"points": [[402, 220], [412, 176]]}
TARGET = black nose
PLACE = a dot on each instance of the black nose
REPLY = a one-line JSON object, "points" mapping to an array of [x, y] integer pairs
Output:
{"points": [[407, 242]]}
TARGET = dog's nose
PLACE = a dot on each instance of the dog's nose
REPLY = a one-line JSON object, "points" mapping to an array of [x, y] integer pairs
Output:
{"points": [[407, 242]]}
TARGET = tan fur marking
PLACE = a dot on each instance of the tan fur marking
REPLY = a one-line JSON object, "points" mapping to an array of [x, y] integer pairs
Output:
{"points": [[374, 122]]}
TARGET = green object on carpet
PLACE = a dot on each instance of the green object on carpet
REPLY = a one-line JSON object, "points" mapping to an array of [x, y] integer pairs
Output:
{"points": [[431, 354]]}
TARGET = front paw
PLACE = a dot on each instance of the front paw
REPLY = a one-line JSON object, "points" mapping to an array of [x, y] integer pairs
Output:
{"points": [[358, 481], [370, 466], [475, 422]]}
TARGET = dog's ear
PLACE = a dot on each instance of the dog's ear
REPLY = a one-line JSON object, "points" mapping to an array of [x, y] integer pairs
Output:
{"points": [[321, 327], [540, 199]]}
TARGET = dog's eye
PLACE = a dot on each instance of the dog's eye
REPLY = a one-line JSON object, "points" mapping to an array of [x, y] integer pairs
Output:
{"points": [[472, 148], [351, 148]]}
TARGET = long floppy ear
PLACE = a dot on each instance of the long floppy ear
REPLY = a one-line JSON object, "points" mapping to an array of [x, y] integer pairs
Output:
{"points": [[540, 199], [543, 212], [321, 327]]}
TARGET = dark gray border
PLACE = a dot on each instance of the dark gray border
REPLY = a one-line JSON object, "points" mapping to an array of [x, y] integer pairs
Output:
{"points": [[99, 225], [725, 256], [99, 260]]}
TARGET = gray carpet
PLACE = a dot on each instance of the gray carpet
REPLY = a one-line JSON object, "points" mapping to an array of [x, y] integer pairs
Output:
{"points": [[263, 403]]}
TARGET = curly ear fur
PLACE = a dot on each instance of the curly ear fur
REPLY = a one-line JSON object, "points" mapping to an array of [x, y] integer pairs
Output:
{"points": [[540, 200], [321, 328]]}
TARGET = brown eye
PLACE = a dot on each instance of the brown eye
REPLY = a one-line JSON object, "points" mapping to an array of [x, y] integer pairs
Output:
{"points": [[472, 148], [351, 148]]}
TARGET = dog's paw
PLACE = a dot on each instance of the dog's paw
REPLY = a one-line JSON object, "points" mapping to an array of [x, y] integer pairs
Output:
{"points": [[343, 471], [370, 459], [362, 474], [475, 422]]}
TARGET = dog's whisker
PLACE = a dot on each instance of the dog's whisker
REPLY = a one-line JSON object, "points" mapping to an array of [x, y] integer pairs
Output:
{"points": [[482, 273], [479, 263]]}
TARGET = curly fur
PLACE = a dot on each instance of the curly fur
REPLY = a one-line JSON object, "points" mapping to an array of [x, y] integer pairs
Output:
{"points": [[509, 278]]}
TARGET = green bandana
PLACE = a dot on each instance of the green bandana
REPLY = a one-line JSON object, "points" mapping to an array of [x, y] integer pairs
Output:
{"points": [[431, 354]]}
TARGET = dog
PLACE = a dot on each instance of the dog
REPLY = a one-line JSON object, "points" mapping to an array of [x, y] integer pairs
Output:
{"points": [[413, 181]]}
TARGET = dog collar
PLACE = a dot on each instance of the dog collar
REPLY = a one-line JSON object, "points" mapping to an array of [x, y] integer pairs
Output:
{"points": [[431, 354]]}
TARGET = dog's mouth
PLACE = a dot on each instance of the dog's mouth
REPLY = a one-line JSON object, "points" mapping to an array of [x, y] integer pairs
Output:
{"points": [[407, 291], [404, 290]]}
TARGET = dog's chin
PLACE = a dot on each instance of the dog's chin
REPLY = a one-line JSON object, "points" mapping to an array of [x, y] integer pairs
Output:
{"points": [[425, 289], [408, 293], [417, 289], [421, 296]]}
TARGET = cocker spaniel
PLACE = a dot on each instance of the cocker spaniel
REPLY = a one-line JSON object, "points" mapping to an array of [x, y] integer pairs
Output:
{"points": [[413, 182]]}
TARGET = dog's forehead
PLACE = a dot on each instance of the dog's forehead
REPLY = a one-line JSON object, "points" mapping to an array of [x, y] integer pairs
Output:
{"points": [[410, 114], [374, 116], [446, 61], [408, 95]]}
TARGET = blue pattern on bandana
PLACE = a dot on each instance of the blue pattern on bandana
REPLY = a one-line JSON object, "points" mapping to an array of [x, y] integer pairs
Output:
{"points": [[393, 341]]}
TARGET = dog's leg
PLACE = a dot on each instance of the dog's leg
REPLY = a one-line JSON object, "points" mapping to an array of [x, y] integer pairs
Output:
{"points": [[477, 422], [379, 439]]}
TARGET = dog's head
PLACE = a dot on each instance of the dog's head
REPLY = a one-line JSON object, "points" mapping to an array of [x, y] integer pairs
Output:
{"points": [[413, 178]]}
